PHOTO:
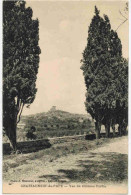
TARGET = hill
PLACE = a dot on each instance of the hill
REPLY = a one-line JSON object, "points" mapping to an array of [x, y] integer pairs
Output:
{"points": [[61, 115], [55, 123]]}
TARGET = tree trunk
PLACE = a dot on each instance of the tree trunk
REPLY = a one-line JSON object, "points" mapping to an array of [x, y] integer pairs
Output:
{"points": [[97, 129], [113, 128], [11, 133], [107, 129], [120, 129], [124, 127]]}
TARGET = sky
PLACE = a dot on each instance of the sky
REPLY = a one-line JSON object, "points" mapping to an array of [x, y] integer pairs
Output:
{"points": [[63, 32]]}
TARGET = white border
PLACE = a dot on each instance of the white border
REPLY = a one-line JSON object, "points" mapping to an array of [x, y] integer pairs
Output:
{"points": [[129, 170]]}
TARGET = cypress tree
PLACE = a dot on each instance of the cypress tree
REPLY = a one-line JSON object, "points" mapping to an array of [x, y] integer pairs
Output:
{"points": [[20, 63], [101, 61]]}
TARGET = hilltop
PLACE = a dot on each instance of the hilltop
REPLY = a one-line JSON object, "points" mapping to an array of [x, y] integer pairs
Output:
{"points": [[58, 114]]}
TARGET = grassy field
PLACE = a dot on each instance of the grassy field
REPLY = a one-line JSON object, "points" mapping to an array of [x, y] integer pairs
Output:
{"points": [[51, 154], [18, 166]]}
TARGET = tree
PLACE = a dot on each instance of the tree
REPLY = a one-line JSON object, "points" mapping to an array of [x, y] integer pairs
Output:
{"points": [[122, 97], [101, 61], [20, 63], [124, 15]]}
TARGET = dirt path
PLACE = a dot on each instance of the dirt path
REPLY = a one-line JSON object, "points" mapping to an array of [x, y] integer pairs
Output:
{"points": [[120, 146], [102, 164], [106, 164]]}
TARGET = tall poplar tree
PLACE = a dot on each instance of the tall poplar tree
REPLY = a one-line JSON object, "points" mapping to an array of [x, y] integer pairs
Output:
{"points": [[20, 63], [101, 59]]}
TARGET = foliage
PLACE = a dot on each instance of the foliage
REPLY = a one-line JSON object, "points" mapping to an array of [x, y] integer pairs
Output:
{"points": [[20, 62], [104, 70]]}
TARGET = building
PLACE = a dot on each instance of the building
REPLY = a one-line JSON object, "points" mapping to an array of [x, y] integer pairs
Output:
{"points": [[53, 108]]}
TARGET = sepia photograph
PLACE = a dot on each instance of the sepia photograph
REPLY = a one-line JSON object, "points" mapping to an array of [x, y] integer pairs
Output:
{"points": [[65, 96]]}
